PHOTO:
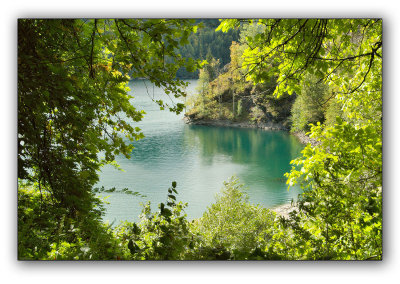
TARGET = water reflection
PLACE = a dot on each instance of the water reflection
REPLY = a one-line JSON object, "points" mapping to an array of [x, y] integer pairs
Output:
{"points": [[264, 155], [245, 146]]}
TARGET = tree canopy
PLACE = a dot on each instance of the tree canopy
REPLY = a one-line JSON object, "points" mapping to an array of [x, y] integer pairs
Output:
{"points": [[74, 111], [342, 175]]}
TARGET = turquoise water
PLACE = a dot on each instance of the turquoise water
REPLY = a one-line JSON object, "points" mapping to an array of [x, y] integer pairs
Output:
{"points": [[199, 159]]}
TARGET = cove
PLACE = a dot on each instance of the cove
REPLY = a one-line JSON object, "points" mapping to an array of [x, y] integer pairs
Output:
{"points": [[199, 158]]}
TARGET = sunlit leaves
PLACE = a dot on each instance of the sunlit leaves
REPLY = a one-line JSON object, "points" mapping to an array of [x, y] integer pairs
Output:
{"points": [[342, 175], [232, 228], [74, 113], [314, 45], [228, 24]]}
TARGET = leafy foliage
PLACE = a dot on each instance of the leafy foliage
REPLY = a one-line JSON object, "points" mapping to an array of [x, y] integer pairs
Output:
{"points": [[340, 211], [74, 112], [229, 96], [47, 232], [205, 43], [232, 228], [75, 115], [309, 107], [219, 96], [342, 203], [162, 235]]}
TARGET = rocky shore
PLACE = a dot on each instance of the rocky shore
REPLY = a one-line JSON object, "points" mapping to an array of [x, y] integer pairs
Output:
{"points": [[284, 210], [305, 139], [242, 124], [301, 135]]}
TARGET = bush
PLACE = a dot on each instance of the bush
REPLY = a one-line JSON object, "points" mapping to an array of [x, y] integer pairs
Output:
{"points": [[232, 228], [47, 232], [341, 207], [162, 235]]}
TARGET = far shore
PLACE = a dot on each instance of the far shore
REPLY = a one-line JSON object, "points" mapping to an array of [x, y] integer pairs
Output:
{"points": [[237, 124], [271, 126]]}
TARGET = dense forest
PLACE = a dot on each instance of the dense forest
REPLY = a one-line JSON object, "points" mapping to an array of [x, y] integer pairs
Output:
{"points": [[320, 76], [207, 43]]}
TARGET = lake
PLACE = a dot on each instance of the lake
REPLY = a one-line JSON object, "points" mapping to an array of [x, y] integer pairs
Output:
{"points": [[199, 158]]}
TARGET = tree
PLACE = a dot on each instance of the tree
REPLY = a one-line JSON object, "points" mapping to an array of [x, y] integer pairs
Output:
{"points": [[232, 228], [310, 104], [341, 207], [74, 111], [207, 42]]}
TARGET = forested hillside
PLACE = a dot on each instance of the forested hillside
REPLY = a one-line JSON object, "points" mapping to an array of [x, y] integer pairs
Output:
{"points": [[229, 94], [207, 43]]}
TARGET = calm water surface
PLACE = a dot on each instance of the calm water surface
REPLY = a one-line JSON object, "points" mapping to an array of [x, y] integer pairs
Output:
{"points": [[199, 159]]}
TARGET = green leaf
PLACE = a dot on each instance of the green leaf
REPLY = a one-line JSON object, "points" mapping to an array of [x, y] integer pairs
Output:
{"points": [[132, 246]]}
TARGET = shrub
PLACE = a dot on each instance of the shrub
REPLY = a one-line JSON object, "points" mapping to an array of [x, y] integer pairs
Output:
{"points": [[46, 231], [232, 228], [162, 235]]}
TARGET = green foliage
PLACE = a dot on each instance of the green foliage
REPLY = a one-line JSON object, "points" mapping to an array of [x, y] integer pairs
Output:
{"points": [[340, 211], [219, 96], [74, 116], [229, 96], [47, 232], [232, 228], [162, 235], [342, 203], [333, 109], [74, 112], [207, 42], [315, 103], [239, 110], [207, 74], [72, 91], [97, 190], [309, 104], [257, 114], [326, 48]]}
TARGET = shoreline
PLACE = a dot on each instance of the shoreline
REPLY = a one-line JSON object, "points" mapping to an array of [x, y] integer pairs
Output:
{"points": [[284, 210], [269, 126], [236, 124], [305, 139]]}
